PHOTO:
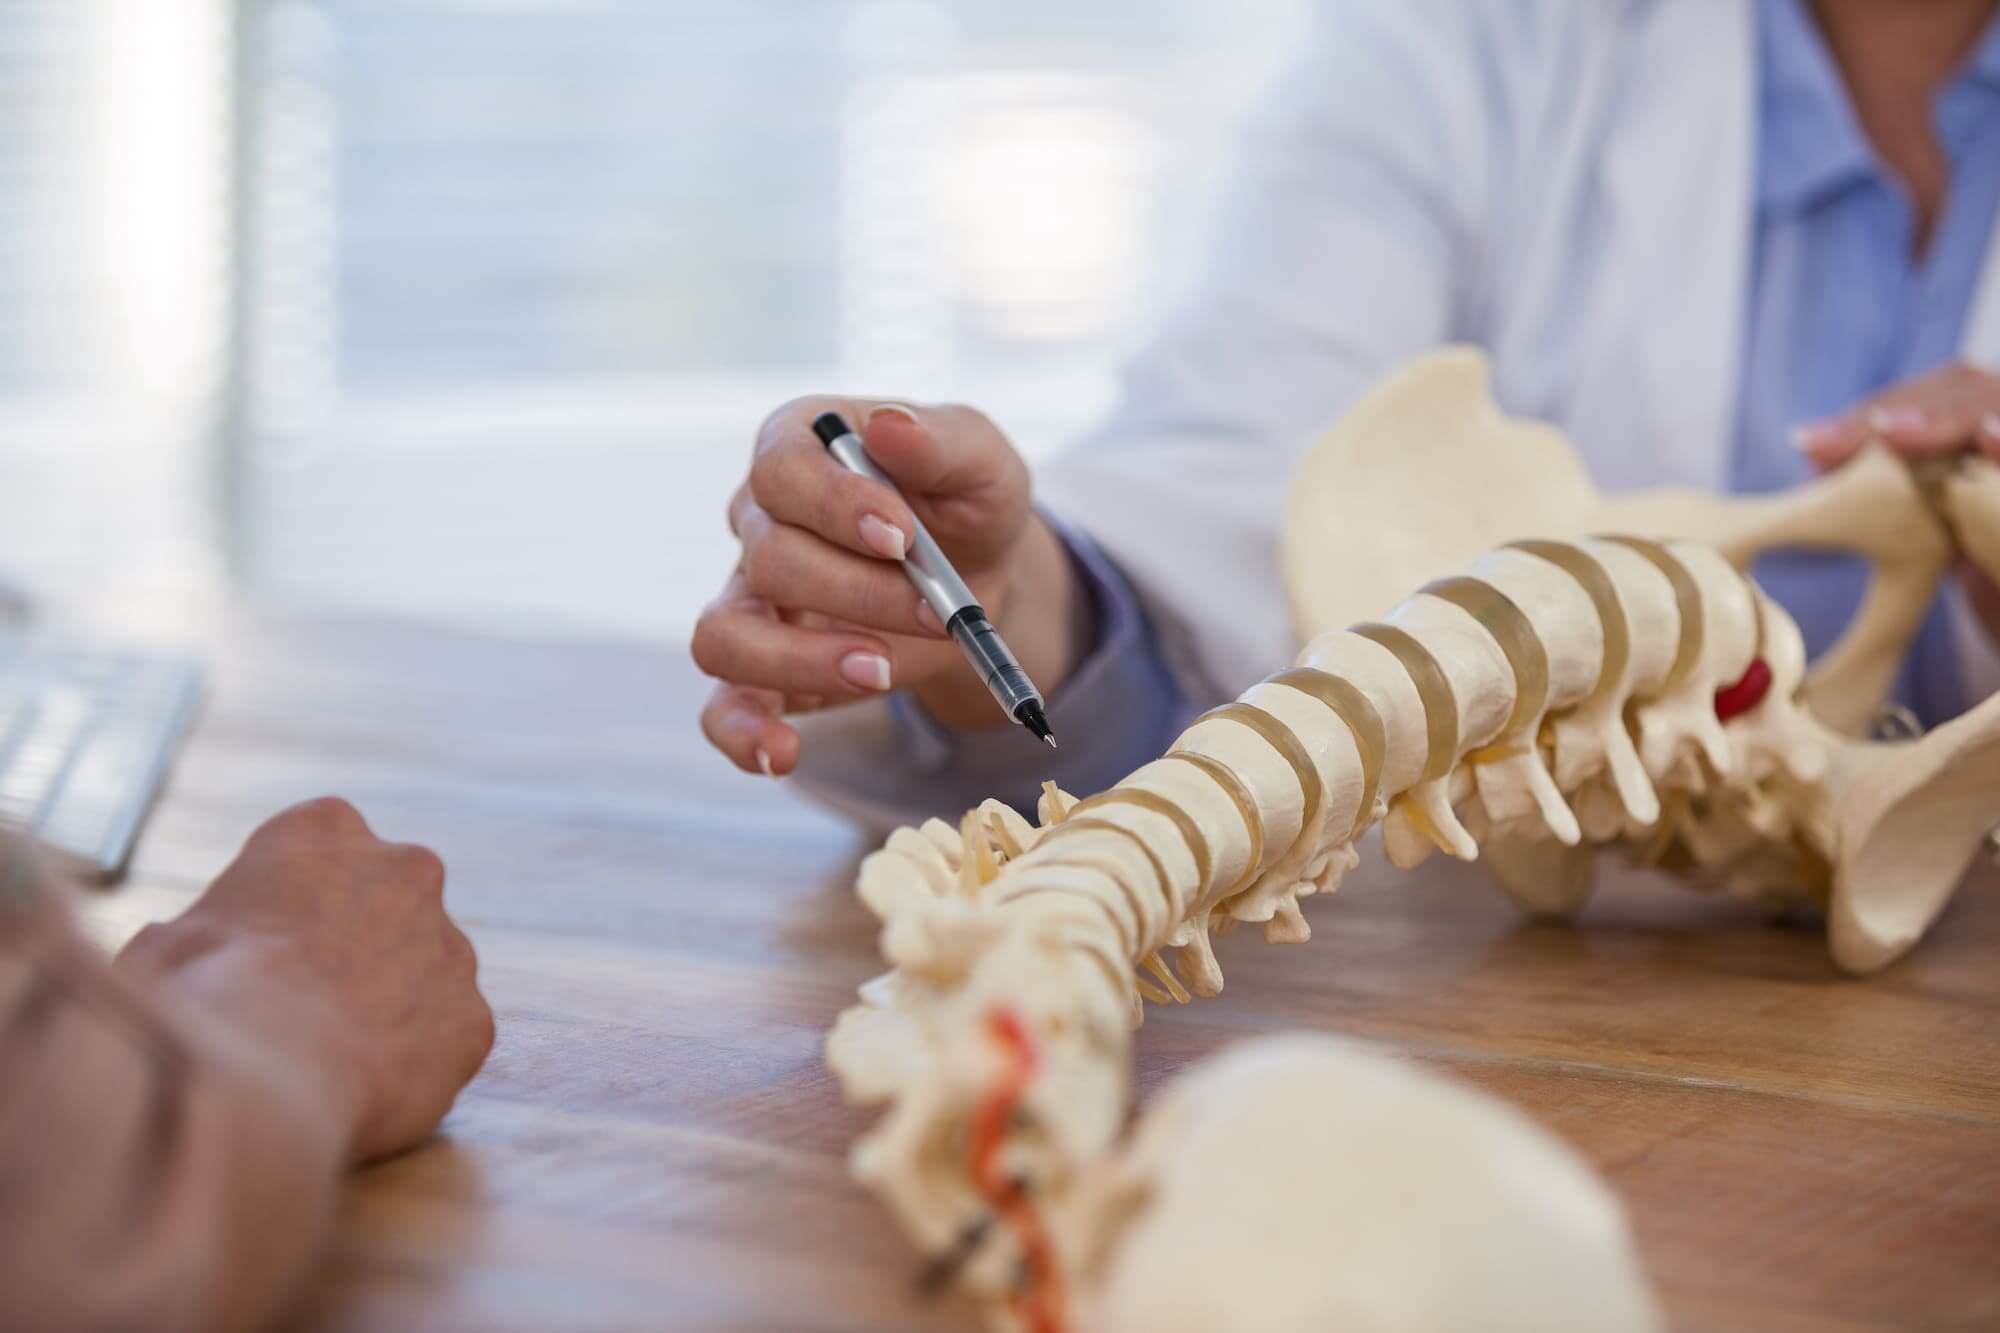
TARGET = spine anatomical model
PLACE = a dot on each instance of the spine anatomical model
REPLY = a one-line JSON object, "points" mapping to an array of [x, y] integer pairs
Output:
{"points": [[1553, 694]]}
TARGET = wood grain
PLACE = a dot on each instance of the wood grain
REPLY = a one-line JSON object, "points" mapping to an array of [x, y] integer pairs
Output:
{"points": [[655, 1143]]}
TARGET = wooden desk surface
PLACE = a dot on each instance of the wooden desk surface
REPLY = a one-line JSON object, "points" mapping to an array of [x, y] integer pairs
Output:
{"points": [[655, 1144]]}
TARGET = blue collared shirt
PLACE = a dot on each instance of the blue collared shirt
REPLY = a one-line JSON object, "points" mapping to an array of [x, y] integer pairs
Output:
{"points": [[1839, 307], [1840, 303]]}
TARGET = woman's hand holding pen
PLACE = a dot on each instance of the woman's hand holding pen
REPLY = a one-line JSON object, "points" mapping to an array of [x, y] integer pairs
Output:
{"points": [[818, 612]]}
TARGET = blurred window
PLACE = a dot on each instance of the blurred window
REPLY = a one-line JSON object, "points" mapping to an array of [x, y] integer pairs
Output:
{"points": [[514, 281], [113, 218]]}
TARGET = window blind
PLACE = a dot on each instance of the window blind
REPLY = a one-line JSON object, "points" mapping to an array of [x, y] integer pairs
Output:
{"points": [[524, 275]]}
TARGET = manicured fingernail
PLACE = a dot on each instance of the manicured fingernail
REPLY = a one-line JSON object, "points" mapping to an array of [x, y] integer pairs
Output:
{"points": [[929, 618], [894, 410], [1815, 436], [883, 538], [1890, 420], [764, 762], [867, 671]]}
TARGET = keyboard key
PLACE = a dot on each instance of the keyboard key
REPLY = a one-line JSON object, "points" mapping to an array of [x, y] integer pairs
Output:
{"points": [[85, 741]]}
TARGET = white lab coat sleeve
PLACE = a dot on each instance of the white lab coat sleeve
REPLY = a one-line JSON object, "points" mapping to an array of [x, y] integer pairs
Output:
{"points": [[1350, 244]]}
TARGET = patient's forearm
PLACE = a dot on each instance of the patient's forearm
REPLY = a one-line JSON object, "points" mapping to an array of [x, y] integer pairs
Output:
{"points": [[166, 1160]]}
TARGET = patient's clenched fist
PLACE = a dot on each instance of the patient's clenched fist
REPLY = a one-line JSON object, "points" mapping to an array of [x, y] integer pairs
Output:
{"points": [[356, 928]]}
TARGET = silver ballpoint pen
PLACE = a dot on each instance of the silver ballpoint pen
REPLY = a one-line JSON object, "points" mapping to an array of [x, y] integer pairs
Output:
{"points": [[940, 586]]}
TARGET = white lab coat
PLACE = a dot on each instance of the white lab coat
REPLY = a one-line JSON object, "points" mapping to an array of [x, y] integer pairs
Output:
{"points": [[1567, 183]]}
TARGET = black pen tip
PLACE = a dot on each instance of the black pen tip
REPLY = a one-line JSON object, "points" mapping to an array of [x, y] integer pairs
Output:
{"points": [[1031, 716]]}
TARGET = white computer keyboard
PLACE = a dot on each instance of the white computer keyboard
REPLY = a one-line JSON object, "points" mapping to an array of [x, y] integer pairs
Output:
{"points": [[86, 735]]}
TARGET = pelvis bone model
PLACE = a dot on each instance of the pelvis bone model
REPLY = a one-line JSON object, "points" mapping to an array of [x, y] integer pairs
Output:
{"points": [[1603, 673]]}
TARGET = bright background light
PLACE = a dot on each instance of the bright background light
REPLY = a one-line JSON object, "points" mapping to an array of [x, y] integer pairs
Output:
{"points": [[514, 281]]}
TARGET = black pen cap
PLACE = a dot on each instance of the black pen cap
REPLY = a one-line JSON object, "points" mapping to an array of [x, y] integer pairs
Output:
{"points": [[829, 427]]}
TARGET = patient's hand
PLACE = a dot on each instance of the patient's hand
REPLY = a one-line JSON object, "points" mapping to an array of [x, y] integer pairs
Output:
{"points": [[331, 948], [1950, 410], [818, 612]]}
